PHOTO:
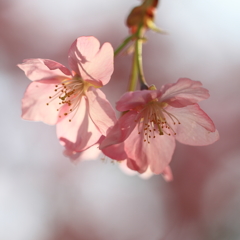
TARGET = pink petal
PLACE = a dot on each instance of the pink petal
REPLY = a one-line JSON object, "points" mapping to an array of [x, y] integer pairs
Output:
{"points": [[69, 150], [94, 65], [100, 110], [147, 174], [100, 69], [116, 152], [136, 99], [34, 103], [133, 166], [184, 92], [39, 69], [92, 153], [196, 127], [82, 50], [157, 154], [123, 166], [81, 132], [128, 169], [121, 130], [167, 174]]}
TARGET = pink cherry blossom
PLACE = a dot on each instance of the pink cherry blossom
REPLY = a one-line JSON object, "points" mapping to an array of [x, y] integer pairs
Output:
{"points": [[145, 135], [72, 98]]}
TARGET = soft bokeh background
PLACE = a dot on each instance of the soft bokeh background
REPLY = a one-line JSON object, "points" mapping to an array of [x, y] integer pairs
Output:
{"points": [[43, 196]]}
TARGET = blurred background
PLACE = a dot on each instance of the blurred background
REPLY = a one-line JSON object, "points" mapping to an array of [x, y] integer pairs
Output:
{"points": [[44, 196]]}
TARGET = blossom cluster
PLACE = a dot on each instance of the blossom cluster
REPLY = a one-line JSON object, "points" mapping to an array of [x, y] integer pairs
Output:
{"points": [[151, 118]]}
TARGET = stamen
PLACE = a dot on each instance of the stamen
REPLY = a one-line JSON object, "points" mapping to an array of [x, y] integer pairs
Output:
{"points": [[69, 92], [172, 116], [152, 118]]}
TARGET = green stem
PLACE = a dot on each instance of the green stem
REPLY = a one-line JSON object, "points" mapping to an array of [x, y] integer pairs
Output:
{"points": [[137, 66], [138, 50], [134, 73], [125, 42]]}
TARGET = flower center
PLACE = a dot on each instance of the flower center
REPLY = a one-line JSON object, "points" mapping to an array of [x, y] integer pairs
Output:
{"points": [[69, 93], [152, 120]]}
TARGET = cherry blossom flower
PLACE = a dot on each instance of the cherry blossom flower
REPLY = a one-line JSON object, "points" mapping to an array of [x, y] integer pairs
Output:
{"points": [[145, 135], [71, 98]]}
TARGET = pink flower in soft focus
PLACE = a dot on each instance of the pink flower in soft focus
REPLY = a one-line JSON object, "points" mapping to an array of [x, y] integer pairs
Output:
{"points": [[146, 134], [72, 99]]}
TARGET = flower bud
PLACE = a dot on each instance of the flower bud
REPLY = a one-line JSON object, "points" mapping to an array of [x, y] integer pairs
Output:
{"points": [[142, 15]]}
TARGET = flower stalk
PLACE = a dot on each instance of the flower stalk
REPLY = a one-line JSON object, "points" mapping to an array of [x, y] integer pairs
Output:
{"points": [[134, 73], [138, 51], [123, 45], [137, 65]]}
